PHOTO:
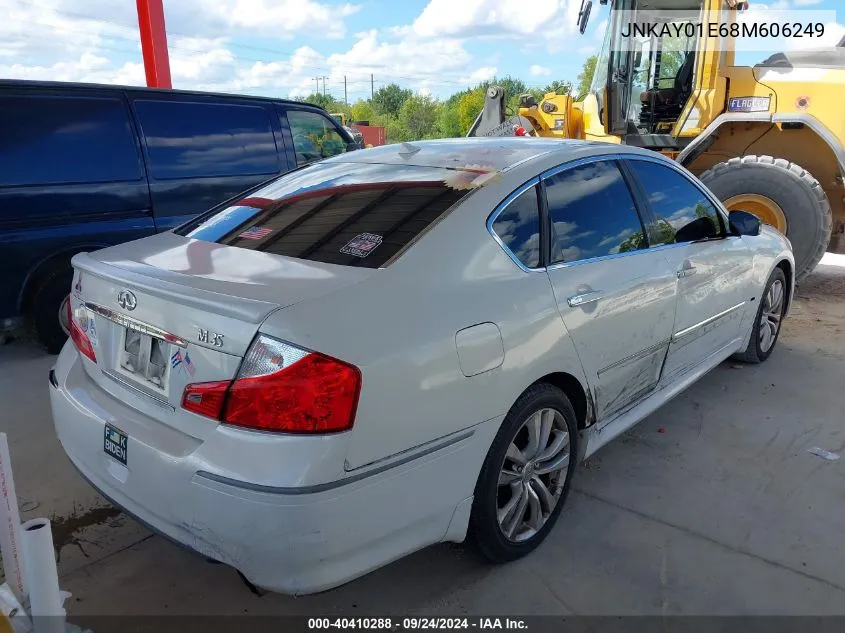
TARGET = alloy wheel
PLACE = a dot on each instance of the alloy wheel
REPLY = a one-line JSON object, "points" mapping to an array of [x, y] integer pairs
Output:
{"points": [[533, 474], [771, 316]]}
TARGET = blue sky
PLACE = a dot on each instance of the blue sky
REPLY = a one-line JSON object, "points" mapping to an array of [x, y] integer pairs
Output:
{"points": [[278, 47]]}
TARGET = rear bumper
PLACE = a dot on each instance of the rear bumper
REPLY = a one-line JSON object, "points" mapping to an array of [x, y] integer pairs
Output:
{"points": [[293, 541]]}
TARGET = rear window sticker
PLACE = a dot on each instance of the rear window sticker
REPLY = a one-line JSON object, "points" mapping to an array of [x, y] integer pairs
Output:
{"points": [[362, 245], [256, 233]]}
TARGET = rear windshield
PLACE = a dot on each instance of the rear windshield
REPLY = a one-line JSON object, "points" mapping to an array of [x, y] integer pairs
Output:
{"points": [[352, 214]]}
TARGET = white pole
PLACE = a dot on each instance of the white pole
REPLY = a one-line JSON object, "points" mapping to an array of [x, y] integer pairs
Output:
{"points": [[11, 545], [45, 598]]}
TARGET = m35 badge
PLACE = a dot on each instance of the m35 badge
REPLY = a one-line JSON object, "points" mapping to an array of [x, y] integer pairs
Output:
{"points": [[210, 338]]}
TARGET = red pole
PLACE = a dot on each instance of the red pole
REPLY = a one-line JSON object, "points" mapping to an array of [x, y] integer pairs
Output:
{"points": [[154, 43]]}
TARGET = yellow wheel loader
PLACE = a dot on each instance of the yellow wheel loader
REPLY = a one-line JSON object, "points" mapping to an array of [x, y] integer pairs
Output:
{"points": [[767, 139]]}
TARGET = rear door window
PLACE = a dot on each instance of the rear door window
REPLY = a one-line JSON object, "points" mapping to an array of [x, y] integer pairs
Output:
{"points": [[66, 140], [352, 214], [592, 213], [314, 136], [192, 139]]}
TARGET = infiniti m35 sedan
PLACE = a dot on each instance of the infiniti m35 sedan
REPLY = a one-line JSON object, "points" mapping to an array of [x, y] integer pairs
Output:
{"points": [[401, 346]]}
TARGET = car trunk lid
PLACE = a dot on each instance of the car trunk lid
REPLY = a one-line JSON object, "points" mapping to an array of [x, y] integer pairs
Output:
{"points": [[167, 311]]}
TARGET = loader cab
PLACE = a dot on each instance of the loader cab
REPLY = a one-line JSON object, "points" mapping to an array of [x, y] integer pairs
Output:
{"points": [[644, 79]]}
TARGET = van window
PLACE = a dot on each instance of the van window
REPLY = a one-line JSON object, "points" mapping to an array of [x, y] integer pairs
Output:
{"points": [[353, 214], [63, 140], [314, 136], [189, 140]]}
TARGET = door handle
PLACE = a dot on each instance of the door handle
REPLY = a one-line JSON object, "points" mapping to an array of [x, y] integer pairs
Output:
{"points": [[580, 300], [686, 272]]}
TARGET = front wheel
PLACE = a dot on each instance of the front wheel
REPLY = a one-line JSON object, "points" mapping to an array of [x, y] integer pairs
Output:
{"points": [[767, 323], [526, 476]]}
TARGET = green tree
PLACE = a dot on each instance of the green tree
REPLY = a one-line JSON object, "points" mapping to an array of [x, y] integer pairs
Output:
{"points": [[418, 116], [560, 86], [585, 77], [362, 110], [394, 130], [469, 106], [389, 99], [448, 121], [325, 101]]}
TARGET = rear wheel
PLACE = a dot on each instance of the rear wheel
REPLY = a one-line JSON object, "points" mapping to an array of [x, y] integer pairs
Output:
{"points": [[782, 195], [526, 476]]}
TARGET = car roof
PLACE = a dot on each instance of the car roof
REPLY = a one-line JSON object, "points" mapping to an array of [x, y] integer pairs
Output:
{"points": [[70, 85], [499, 153]]}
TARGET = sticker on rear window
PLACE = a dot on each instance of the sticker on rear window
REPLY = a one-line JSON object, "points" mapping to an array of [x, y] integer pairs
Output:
{"points": [[362, 245], [256, 233]]}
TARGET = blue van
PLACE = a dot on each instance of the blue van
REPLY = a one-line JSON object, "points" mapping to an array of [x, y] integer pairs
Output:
{"points": [[87, 166]]}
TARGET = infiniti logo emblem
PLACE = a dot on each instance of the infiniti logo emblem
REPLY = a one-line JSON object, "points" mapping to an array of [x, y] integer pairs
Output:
{"points": [[126, 300]]}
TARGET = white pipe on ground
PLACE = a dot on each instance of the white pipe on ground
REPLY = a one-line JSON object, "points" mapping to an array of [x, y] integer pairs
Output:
{"points": [[11, 545], [45, 598]]}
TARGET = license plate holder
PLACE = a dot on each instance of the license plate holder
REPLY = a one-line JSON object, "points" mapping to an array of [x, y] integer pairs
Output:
{"points": [[146, 359], [116, 443]]}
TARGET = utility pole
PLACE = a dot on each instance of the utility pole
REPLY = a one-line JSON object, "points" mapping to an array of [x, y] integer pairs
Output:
{"points": [[317, 79], [324, 85], [345, 99], [372, 86]]}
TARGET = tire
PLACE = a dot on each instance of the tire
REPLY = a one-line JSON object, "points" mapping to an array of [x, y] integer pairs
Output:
{"points": [[53, 288], [757, 352], [485, 527], [799, 195]]}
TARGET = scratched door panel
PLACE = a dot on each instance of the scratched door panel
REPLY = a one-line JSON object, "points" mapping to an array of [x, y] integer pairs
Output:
{"points": [[623, 335]]}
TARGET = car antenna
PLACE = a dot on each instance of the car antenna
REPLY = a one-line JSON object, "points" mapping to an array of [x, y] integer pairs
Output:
{"points": [[406, 150]]}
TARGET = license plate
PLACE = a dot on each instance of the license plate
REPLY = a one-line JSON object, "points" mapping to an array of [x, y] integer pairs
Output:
{"points": [[115, 443]]}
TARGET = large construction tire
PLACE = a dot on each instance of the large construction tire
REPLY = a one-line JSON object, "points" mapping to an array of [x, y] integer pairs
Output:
{"points": [[782, 194]]}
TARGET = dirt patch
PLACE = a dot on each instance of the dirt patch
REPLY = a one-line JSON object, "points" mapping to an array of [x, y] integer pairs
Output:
{"points": [[817, 320], [70, 530]]}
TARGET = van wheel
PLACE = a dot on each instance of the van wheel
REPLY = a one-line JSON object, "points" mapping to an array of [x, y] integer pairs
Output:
{"points": [[48, 303], [526, 476]]}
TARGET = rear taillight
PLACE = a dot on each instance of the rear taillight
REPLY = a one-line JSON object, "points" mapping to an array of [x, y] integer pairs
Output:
{"points": [[282, 388], [79, 321]]}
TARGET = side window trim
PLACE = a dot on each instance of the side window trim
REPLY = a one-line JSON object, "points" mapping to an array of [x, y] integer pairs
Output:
{"points": [[534, 182]]}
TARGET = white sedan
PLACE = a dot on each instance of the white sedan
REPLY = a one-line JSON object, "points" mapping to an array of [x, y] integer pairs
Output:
{"points": [[402, 346]]}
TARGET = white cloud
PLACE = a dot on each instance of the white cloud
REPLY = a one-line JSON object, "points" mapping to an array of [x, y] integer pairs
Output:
{"points": [[279, 18], [807, 3], [547, 20], [211, 43], [484, 73]]}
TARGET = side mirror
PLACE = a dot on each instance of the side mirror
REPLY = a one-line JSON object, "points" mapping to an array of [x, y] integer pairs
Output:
{"points": [[744, 223]]}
